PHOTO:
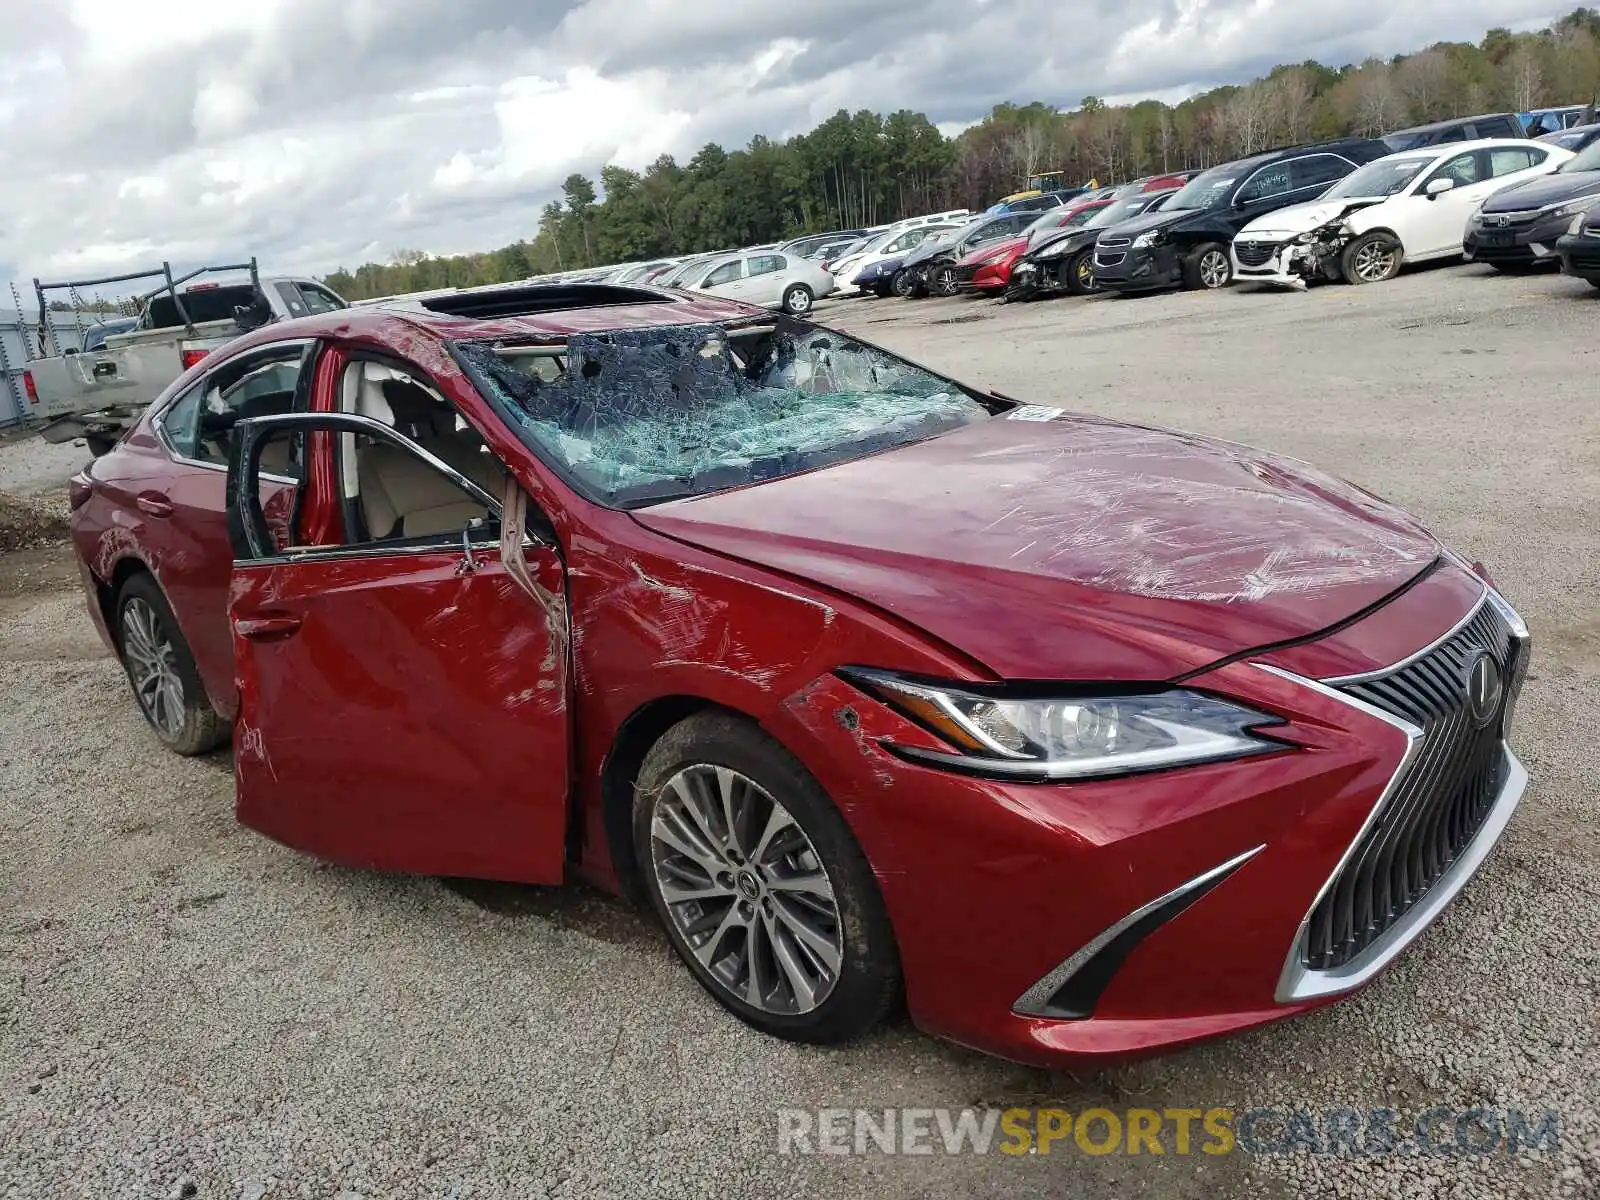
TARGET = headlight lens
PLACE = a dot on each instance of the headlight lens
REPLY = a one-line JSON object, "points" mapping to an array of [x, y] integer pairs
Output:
{"points": [[1477, 216], [1079, 737], [1570, 207], [1146, 240], [1577, 225]]}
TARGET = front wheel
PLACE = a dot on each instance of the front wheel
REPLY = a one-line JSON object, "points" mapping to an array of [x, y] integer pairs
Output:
{"points": [[1208, 268], [901, 284], [161, 670], [797, 299], [764, 893], [1371, 258], [1080, 274], [944, 282]]}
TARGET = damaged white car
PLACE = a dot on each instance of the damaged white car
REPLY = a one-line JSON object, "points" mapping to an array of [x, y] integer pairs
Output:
{"points": [[1405, 208]]}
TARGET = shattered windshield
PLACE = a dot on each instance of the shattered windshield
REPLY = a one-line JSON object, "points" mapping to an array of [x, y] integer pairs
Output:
{"points": [[1209, 189], [638, 416]]}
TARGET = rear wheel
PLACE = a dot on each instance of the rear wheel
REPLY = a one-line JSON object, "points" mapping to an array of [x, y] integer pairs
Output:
{"points": [[764, 892], [797, 299], [161, 671], [1371, 258], [1207, 268], [1080, 274]]}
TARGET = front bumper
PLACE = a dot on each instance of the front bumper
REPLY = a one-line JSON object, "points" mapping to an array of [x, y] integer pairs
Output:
{"points": [[1125, 268], [1277, 262], [1525, 238], [1580, 255], [1003, 894]]}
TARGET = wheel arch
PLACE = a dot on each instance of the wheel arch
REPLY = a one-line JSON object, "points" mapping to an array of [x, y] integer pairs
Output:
{"points": [[635, 737], [108, 588]]}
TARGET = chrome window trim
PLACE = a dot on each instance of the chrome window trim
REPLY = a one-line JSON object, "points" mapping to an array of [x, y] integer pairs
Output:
{"points": [[158, 423], [1297, 982], [1035, 1001]]}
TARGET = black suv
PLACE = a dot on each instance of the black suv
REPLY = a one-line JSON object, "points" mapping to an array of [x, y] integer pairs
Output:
{"points": [[1461, 129], [1518, 226], [1186, 243]]}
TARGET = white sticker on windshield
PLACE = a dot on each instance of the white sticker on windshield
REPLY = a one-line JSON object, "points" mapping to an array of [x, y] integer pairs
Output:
{"points": [[1034, 412]]}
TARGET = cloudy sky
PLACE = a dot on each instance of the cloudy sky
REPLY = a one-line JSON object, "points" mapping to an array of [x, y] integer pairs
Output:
{"points": [[321, 133]]}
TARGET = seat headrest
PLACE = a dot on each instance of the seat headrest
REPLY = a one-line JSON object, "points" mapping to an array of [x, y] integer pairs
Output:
{"points": [[415, 409]]}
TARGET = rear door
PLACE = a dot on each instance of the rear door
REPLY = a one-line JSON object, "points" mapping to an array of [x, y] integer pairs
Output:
{"points": [[766, 275], [726, 279], [402, 698]]}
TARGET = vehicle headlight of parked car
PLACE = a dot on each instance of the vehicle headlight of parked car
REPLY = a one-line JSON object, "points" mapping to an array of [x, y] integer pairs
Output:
{"points": [[1071, 737], [1568, 207], [1153, 237], [1576, 227]]}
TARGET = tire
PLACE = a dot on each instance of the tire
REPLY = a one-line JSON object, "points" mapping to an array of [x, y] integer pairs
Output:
{"points": [[1207, 267], [161, 671], [797, 298], [883, 289], [943, 282], [900, 285], [701, 756], [1079, 273], [1592, 281], [1371, 258]]}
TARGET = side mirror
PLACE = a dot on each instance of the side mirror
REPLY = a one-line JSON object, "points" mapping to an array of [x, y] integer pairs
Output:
{"points": [[1438, 187]]}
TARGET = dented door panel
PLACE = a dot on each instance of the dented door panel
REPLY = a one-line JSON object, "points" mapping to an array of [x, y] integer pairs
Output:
{"points": [[404, 712]]}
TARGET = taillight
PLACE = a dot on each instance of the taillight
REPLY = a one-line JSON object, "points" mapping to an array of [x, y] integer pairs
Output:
{"points": [[190, 357], [30, 387], [79, 488]]}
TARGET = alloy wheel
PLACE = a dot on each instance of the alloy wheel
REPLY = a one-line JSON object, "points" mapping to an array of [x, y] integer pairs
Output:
{"points": [[745, 889], [1213, 268], [1375, 262], [153, 667], [944, 281], [1085, 272], [799, 300]]}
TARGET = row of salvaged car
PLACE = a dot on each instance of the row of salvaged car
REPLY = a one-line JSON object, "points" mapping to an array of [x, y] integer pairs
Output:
{"points": [[1349, 210]]}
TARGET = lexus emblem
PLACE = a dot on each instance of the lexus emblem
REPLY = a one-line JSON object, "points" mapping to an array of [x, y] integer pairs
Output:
{"points": [[1483, 687]]}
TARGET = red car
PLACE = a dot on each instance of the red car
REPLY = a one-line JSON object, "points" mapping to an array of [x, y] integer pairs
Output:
{"points": [[1087, 738]]}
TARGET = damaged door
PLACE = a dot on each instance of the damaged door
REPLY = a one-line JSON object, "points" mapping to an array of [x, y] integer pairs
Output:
{"points": [[402, 693]]}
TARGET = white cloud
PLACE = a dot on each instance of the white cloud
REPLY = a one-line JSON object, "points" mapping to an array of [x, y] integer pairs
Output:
{"points": [[319, 133]]}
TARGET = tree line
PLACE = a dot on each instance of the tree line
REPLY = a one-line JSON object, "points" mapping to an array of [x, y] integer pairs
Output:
{"points": [[865, 168]]}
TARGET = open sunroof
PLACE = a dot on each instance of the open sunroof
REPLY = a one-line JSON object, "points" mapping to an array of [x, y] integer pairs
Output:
{"points": [[534, 299]]}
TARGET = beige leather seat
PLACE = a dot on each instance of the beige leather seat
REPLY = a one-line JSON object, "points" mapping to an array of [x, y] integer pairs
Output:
{"points": [[402, 496]]}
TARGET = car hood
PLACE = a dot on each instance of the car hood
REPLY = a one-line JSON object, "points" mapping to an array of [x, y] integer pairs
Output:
{"points": [[995, 252], [1303, 218], [923, 251], [882, 266], [1145, 222], [1048, 545], [1067, 241], [1546, 189]]}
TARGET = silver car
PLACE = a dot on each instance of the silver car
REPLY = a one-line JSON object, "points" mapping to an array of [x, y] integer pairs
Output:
{"points": [[765, 277]]}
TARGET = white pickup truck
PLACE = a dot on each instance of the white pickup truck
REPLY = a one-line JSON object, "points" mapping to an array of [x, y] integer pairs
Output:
{"points": [[95, 394]]}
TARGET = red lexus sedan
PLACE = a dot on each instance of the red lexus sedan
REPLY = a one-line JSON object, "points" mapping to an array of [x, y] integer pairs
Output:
{"points": [[1086, 738]]}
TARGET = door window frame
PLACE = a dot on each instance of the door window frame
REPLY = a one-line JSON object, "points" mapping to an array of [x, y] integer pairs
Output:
{"points": [[310, 351], [251, 533]]}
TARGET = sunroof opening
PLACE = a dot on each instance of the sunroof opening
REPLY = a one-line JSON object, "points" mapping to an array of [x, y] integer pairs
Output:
{"points": [[527, 301]]}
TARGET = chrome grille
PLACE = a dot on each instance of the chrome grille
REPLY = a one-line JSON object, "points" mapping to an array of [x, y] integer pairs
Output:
{"points": [[1255, 254], [1439, 801]]}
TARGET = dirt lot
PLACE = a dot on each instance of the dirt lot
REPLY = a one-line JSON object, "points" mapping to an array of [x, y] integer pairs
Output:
{"points": [[187, 1009]]}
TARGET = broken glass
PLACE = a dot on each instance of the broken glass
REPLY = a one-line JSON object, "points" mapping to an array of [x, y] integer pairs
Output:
{"points": [[638, 415]]}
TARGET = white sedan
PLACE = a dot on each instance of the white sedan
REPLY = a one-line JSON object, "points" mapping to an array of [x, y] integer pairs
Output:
{"points": [[765, 277], [1405, 208]]}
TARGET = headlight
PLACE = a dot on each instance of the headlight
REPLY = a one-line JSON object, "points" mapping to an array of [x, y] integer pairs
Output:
{"points": [[1579, 206], [1576, 227], [1477, 216], [1145, 240], [1078, 737]]}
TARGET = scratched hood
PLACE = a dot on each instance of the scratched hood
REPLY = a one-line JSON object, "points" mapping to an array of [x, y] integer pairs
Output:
{"points": [[1072, 547], [1302, 218]]}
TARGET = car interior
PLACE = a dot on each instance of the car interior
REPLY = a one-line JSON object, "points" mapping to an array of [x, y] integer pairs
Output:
{"points": [[391, 492]]}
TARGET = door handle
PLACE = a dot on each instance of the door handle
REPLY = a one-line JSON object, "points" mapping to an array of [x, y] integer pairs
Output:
{"points": [[266, 629], [153, 504]]}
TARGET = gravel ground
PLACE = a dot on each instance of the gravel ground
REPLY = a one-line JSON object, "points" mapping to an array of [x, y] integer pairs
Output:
{"points": [[188, 1009]]}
